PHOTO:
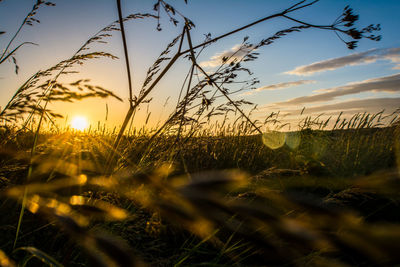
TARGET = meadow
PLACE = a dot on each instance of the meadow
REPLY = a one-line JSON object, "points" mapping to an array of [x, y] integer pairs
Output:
{"points": [[198, 189], [331, 199]]}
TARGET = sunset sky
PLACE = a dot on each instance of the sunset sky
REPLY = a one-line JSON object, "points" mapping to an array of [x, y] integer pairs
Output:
{"points": [[311, 69]]}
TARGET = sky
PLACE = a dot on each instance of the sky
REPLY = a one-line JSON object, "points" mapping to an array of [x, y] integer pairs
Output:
{"points": [[312, 69]]}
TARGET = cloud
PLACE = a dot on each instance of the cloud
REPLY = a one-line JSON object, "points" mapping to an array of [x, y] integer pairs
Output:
{"points": [[370, 56], [371, 105], [349, 108], [236, 52], [389, 84], [279, 86]]}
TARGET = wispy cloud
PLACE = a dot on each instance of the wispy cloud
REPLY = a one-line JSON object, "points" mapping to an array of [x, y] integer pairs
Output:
{"points": [[370, 56], [360, 105], [382, 84], [348, 108], [236, 52], [279, 86]]}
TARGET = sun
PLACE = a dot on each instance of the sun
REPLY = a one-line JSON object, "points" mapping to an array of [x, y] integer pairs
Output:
{"points": [[79, 123]]}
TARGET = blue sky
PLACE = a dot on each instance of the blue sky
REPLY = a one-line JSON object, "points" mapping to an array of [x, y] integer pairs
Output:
{"points": [[311, 69]]}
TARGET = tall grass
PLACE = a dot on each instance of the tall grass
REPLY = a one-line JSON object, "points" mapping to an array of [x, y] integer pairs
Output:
{"points": [[151, 198]]}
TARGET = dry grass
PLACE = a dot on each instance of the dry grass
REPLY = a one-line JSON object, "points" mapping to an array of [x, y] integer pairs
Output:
{"points": [[301, 207]]}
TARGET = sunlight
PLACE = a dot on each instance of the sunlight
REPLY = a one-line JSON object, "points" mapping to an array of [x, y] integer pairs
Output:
{"points": [[79, 123]]}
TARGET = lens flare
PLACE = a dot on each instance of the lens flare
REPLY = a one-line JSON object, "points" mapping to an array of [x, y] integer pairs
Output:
{"points": [[274, 139], [293, 139]]}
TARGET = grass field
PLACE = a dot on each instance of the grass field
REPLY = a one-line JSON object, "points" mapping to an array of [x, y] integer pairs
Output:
{"points": [[329, 199]]}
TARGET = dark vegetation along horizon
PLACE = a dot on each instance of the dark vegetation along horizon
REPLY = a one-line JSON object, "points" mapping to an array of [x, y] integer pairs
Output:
{"points": [[194, 191]]}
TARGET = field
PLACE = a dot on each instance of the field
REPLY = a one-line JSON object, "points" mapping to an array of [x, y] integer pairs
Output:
{"points": [[331, 200], [210, 183]]}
